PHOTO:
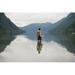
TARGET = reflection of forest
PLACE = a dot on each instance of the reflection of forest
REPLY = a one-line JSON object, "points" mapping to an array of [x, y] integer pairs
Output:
{"points": [[66, 37], [5, 39], [66, 41]]}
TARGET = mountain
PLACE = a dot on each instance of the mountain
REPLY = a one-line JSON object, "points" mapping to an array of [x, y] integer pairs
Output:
{"points": [[65, 31], [31, 29], [64, 23], [69, 32], [7, 25], [35, 26], [67, 38], [8, 30]]}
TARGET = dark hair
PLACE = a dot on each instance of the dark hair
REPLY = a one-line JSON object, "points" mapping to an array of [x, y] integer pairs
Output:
{"points": [[39, 28]]}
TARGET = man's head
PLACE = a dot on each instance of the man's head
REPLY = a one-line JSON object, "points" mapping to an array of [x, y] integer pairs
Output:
{"points": [[39, 28]]}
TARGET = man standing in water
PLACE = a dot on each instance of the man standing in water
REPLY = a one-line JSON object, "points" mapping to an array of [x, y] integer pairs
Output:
{"points": [[39, 35], [39, 40]]}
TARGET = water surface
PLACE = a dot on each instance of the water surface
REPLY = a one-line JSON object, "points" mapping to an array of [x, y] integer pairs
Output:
{"points": [[24, 49]]}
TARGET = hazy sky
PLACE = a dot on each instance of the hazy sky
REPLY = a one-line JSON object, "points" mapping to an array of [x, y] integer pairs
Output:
{"points": [[23, 19]]}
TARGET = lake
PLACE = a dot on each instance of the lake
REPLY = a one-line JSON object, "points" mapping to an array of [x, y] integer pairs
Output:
{"points": [[23, 49]]}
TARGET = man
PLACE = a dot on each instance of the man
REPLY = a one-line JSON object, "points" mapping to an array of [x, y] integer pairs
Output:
{"points": [[39, 35], [39, 38]]}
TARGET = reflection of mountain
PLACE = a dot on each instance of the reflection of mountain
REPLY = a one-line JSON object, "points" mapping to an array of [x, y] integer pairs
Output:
{"points": [[32, 29], [7, 31], [5, 39], [65, 31]]}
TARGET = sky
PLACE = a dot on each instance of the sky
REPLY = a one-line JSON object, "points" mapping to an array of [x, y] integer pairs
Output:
{"points": [[23, 19]]}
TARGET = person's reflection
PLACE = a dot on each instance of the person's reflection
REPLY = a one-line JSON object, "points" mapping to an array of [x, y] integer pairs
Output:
{"points": [[39, 46], [39, 40]]}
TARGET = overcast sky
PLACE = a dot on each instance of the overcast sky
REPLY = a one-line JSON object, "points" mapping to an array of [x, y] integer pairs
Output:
{"points": [[23, 19]]}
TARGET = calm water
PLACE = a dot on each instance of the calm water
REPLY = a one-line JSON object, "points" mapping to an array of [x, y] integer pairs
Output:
{"points": [[24, 49]]}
